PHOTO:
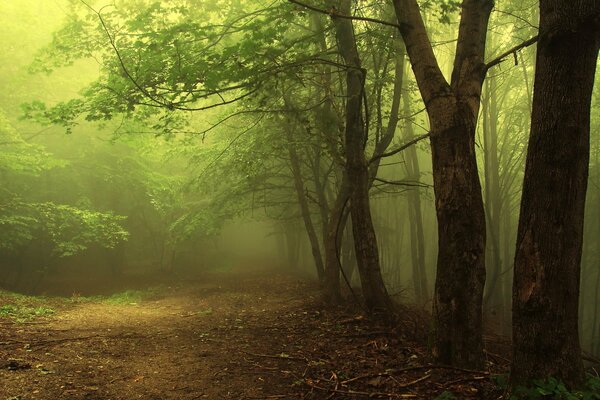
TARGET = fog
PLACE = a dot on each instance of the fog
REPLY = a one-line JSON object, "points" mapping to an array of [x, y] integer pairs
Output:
{"points": [[127, 165]]}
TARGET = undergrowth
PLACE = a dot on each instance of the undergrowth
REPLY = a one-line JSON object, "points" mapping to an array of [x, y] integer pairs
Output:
{"points": [[122, 298], [22, 308], [554, 389]]}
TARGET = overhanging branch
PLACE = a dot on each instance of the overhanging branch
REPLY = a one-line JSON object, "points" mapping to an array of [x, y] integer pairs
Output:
{"points": [[334, 14], [510, 51], [401, 148]]}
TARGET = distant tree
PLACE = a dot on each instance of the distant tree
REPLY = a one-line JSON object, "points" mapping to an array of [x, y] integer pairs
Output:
{"points": [[59, 230], [550, 234]]}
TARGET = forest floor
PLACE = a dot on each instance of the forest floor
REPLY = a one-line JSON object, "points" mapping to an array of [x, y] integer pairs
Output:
{"points": [[251, 335]]}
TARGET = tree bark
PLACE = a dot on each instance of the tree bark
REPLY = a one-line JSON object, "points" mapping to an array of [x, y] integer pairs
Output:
{"points": [[550, 233], [453, 110], [357, 169]]}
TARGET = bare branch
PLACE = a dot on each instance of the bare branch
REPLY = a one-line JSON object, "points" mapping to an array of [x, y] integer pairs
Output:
{"points": [[510, 51], [403, 183], [401, 148], [334, 14]]}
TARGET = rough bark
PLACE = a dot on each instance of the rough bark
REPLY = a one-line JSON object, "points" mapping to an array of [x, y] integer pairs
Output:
{"points": [[357, 169], [550, 233], [453, 109]]}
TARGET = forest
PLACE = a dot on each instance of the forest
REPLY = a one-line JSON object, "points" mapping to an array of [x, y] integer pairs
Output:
{"points": [[299, 199]]}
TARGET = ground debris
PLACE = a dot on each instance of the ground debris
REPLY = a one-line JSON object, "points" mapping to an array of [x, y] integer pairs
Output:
{"points": [[267, 336]]}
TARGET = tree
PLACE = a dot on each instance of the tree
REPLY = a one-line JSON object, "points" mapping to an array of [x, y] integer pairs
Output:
{"points": [[357, 168], [48, 228], [550, 233], [453, 111]]}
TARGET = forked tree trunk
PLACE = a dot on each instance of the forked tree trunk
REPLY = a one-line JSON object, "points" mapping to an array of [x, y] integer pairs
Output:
{"points": [[357, 169], [461, 239], [549, 239], [453, 110]]}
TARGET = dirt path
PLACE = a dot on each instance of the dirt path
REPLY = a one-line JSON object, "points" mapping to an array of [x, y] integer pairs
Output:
{"points": [[232, 336]]}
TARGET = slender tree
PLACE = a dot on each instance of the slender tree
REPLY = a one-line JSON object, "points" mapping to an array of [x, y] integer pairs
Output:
{"points": [[357, 167]]}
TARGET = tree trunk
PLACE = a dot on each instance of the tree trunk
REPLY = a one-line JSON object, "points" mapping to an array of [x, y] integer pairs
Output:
{"points": [[453, 111], [304, 208], [550, 233], [493, 201], [357, 170], [335, 228], [415, 217], [347, 252], [461, 238]]}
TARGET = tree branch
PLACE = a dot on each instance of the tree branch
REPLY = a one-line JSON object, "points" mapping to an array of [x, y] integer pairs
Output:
{"points": [[334, 14], [401, 148], [510, 51], [403, 183]]}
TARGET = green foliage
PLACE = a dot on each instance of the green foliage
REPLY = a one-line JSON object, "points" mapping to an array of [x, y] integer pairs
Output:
{"points": [[553, 388], [21, 308], [18, 156], [24, 313], [204, 312], [127, 297], [198, 57], [446, 395], [69, 230], [442, 9]]}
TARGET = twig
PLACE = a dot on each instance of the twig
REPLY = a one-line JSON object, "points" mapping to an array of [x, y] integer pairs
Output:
{"points": [[276, 356], [474, 378], [496, 356], [68, 339], [387, 375], [368, 334], [359, 393]]}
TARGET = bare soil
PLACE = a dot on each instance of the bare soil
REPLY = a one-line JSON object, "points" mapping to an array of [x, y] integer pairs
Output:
{"points": [[236, 335]]}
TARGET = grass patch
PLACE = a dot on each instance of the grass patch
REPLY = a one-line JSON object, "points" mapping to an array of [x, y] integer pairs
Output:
{"points": [[126, 297], [21, 308], [207, 311], [130, 297]]}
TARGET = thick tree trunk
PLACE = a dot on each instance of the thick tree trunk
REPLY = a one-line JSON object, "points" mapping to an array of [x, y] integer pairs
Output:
{"points": [[453, 111], [549, 239], [357, 169], [461, 239]]}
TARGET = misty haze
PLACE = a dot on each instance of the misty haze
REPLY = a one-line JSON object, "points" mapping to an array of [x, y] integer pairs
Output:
{"points": [[299, 199]]}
